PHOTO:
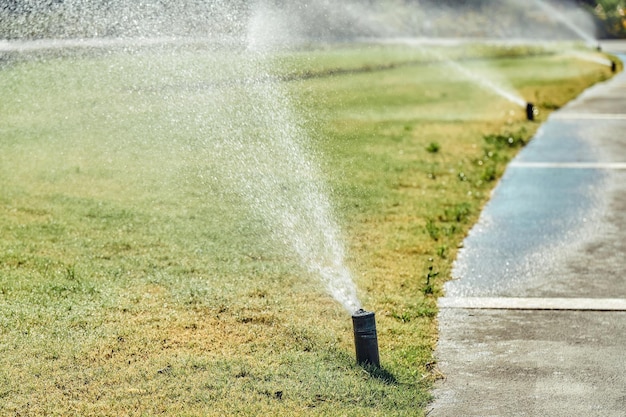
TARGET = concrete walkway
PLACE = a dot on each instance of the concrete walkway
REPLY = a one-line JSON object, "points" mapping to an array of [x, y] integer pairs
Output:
{"points": [[535, 324]]}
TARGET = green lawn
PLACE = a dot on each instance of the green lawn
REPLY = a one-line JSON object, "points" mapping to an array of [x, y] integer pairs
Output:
{"points": [[141, 272]]}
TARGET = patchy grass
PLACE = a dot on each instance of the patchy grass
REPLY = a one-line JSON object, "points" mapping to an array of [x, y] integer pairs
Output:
{"points": [[133, 282]]}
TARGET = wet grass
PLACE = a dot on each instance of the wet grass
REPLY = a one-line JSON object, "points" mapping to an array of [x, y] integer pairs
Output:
{"points": [[132, 282]]}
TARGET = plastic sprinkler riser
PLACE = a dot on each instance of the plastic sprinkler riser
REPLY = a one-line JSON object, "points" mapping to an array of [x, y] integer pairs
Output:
{"points": [[365, 338], [530, 111]]}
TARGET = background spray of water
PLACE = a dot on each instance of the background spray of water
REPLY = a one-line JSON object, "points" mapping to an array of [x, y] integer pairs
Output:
{"points": [[306, 20], [487, 82], [557, 15], [590, 57]]}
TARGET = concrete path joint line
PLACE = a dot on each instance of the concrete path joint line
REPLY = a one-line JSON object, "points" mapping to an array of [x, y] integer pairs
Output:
{"points": [[588, 116], [531, 303], [570, 165]]}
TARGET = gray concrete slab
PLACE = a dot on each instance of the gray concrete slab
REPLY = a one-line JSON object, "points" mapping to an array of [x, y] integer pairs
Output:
{"points": [[534, 303], [553, 237], [531, 363], [616, 46]]}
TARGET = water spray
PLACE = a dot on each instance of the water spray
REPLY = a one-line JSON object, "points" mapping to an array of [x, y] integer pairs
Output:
{"points": [[482, 81], [531, 111], [365, 338], [590, 57], [557, 15]]}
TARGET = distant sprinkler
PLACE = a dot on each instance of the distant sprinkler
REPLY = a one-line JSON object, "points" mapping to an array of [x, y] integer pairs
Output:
{"points": [[365, 338], [599, 48], [531, 111]]}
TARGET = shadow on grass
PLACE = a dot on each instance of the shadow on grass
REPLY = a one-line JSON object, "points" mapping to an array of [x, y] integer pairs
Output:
{"points": [[381, 374]]}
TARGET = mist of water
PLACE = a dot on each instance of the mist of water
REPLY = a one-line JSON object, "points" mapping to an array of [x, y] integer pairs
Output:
{"points": [[260, 150], [586, 56], [278, 178], [489, 81], [486, 83], [306, 20], [560, 17], [266, 158]]}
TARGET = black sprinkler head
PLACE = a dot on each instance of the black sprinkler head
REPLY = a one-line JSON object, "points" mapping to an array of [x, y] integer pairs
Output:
{"points": [[531, 111], [613, 66], [365, 338]]}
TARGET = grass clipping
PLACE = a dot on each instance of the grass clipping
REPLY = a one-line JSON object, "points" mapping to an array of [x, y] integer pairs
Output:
{"points": [[134, 283]]}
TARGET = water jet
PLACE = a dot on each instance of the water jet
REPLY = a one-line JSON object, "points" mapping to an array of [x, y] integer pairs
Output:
{"points": [[365, 338], [561, 17], [531, 111], [590, 57], [482, 81]]}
